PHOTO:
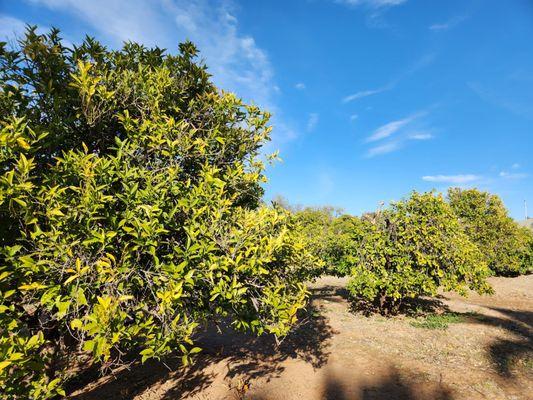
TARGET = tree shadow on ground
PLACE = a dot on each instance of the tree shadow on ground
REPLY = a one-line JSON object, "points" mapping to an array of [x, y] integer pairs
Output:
{"points": [[244, 355], [411, 307], [416, 307], [332, 293], [392, 386], [507, 354], [127, 382]]}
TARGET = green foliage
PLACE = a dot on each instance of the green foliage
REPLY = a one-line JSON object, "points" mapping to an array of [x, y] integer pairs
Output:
{"points": [[343, 243], [129, 192], [438, 321], [505, 245], [525, 238], [320, 228], [410, 250]]}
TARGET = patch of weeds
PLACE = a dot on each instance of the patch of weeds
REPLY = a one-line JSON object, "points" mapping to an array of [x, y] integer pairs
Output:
{"points": [[438, 321]]}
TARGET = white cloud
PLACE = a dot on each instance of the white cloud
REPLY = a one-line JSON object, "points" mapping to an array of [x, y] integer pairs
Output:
{"points": [[512, 175], [387, 130], [13, 28], [353, 117], [10, 27], [397, 135], [363, 93], [454, 179], [420, 136], [300, 86], [420, 63], [374, 9], [390, 128], [120, 20], [452, 22], [383, 149], [515, 166], [312, 122]]}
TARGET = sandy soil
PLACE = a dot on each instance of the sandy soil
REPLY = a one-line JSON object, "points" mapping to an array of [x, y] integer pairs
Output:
{"points": [[336, 354]]}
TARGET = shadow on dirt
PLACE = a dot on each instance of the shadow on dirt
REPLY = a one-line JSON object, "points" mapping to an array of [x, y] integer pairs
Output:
{"points": [[335, 294], [417, 307], [242, 356], [508, 355], [391, 386]]}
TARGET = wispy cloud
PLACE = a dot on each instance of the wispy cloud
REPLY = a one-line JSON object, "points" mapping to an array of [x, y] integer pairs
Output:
{"points": [[372, 3], [485, 179], [390, 128], [312, 121], [420, 136], [396, 134], [518, 101], [512, 175], [383, 149], [422, 62], [374, 9], [425, 60], [364, 93], [353, 117], [453, 179], [451, 23], [10, 27], [118, 20], [300, 86]]}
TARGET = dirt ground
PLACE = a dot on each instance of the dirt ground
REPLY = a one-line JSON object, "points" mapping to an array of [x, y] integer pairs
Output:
{"points": [[336, 354]]}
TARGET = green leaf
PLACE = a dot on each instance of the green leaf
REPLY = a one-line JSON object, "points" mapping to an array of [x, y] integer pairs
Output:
{"points": [[76, 324]]}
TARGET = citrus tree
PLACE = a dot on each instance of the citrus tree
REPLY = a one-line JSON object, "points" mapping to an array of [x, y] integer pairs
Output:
{"points": [[505, 245], [411, 249], [129, 204], [320, 229]]}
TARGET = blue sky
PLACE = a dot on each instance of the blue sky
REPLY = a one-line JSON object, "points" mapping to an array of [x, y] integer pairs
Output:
{"points": [[371, 98]]}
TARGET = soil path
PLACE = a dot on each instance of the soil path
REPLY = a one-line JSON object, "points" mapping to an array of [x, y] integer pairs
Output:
{"points": [[336, 354]]}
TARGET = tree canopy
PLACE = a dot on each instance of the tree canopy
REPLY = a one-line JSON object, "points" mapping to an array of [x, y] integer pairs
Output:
{"points": [[506, 246], [129, 199]]}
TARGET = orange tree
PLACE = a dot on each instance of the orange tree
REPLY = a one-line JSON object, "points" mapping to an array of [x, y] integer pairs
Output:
{"points": [[506, 246], [129, 205], [411, 249], [322, 230]]}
